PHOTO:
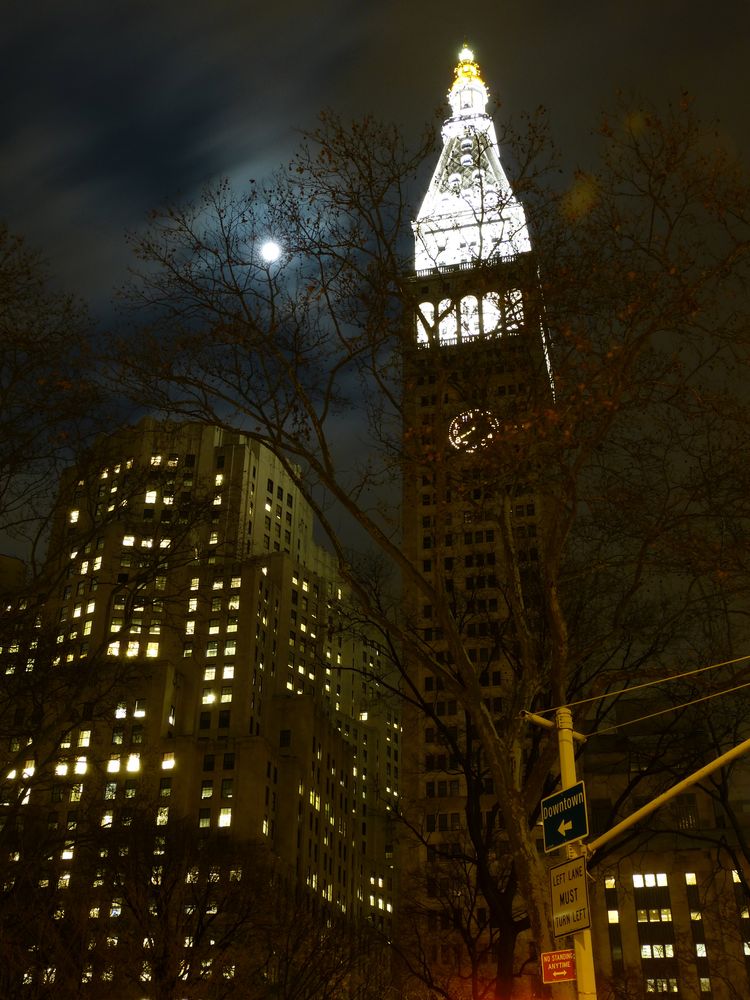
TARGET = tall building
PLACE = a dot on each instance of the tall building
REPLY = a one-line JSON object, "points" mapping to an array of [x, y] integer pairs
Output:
{"points": [[207, 679], [477, 368]]}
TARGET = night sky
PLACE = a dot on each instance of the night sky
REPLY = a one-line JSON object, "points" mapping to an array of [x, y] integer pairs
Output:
{"points": [[111, 108]]}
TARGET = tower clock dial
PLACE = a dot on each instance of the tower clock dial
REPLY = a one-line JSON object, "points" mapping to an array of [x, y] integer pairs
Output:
{"points": [[473, 429]]}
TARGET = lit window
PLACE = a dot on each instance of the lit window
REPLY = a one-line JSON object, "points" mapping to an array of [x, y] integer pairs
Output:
{"points": [[113, 764], [168, 761], [134, 762], [700, 950], [226, 694], [84, 738], [73, 516], [207, 789], [613, 916], [140, 708], [194, 583], [81, 765], [150, 496], [212, 648], [128, 540], [121, 711], [209, 696], [152, 649], [209, 673], [162, 815], [228, 672], [225, 816]]}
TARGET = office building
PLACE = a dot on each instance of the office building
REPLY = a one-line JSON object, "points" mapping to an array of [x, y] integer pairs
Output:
{"points": [[191, 631]]}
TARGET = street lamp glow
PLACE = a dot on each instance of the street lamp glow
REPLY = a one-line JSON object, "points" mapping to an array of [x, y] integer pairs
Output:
{"points": [[270, 251]]}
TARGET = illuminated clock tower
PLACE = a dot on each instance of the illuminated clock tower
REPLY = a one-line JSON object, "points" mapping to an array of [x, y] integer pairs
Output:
{"points": [[477, 363], [475, 370]]}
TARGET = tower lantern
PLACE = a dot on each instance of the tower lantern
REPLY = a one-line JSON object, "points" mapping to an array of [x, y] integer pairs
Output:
{"points": [[468, 95]]}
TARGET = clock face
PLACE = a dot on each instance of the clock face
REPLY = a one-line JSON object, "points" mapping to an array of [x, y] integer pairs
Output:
{"points": [[473, 429]]}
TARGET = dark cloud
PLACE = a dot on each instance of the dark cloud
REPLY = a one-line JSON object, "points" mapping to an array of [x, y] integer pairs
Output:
{"points": [[111, 108]]}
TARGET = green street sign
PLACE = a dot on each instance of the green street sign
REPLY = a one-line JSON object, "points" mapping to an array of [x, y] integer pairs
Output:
{"points": [[564, 817]]}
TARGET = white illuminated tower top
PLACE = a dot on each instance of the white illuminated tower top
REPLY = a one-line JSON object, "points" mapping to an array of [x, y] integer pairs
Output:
{"points": [[469, 215]]}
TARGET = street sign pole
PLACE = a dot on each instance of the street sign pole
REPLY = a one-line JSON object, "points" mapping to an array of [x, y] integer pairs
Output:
{"points": [[581, 939]]}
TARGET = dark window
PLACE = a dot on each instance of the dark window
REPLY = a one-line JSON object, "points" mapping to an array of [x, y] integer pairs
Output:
{"points": [[204, 720], [208, 762], [285, 738]]}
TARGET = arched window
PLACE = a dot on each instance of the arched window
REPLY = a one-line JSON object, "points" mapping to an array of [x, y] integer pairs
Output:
{"points": [[469, 317]]}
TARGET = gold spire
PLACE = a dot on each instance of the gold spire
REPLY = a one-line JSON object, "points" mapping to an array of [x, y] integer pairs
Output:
{"points": [[467, 70]]}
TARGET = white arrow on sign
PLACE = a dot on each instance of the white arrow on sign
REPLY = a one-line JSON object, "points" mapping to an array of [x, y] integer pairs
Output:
{"points": [[564, 827], [562, 972]]}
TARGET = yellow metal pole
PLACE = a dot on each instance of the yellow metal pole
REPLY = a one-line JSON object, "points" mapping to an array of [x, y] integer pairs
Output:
{"points": [[585, 978]]}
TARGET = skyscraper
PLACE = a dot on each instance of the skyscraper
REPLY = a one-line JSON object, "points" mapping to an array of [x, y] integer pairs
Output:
{"points": [[476, 369], [202, 679], [476, 375]]}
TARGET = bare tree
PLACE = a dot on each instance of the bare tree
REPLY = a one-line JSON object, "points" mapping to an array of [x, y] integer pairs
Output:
{"points": [[629, 446], [49, 400]]}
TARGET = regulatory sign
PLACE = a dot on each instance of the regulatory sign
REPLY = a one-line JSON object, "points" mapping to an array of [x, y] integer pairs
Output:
{"points": [[570, 897], [558, 966], [564, 817]]}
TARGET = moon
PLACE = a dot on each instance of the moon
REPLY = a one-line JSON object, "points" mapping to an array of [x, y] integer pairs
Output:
{"points": [[270, 251]]}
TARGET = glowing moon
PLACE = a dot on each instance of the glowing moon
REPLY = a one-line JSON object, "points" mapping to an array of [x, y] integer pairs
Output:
{"points": [[270, 251]]}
